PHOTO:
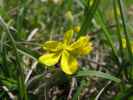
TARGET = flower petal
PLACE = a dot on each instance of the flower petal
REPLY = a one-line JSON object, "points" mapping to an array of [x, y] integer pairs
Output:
{"points": [[68, 36], [82, 46], [49, 59], [52, 46], [69, 64]]}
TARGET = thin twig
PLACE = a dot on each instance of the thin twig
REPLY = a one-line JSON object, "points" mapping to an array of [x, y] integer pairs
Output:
{"points": [[32, 34], [29, 38], [12, 97], [30, 71], [71, 89], [101, 91], [98, 64]]}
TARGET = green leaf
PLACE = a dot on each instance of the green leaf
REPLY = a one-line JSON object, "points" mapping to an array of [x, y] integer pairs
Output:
{"points": [[118, 30], [28, 52], [92, 73]]}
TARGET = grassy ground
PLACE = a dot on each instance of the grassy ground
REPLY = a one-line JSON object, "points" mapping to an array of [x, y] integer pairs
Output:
{"points": [[104, 74]]}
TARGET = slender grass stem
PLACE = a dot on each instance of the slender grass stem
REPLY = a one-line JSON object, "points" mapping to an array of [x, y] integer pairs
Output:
{"points": [[118, 32], [124, 24], [107, 35]]}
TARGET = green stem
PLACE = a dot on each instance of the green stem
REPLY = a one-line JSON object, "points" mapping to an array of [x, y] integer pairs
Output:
{"points": [[123, 17], [118, 32], [107, 35]]}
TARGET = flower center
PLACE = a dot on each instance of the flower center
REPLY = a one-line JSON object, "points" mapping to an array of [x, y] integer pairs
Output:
{"points": [[65, 46]]}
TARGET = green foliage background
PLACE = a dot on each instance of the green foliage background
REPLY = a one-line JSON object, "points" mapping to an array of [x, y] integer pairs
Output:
{"points": [[106, 74]]}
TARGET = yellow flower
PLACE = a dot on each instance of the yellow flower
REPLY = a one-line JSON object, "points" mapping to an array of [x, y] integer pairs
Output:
{"points": [[65, 52]]}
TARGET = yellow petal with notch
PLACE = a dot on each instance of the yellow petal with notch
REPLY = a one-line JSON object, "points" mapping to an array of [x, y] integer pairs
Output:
{"points": [[52, 46], [68, 36], [49, 59], [82, 46], [69, 64]]}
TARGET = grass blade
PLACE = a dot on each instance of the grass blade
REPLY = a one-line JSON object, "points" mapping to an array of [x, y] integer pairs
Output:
{"points": [[89, 13], [78, 91], [118, 32], [97, 74], [107, 35]]}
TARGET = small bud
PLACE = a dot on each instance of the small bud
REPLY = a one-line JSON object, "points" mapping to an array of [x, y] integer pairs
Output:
{"points": [[91, 2], [76, 29], [69, 15]]}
